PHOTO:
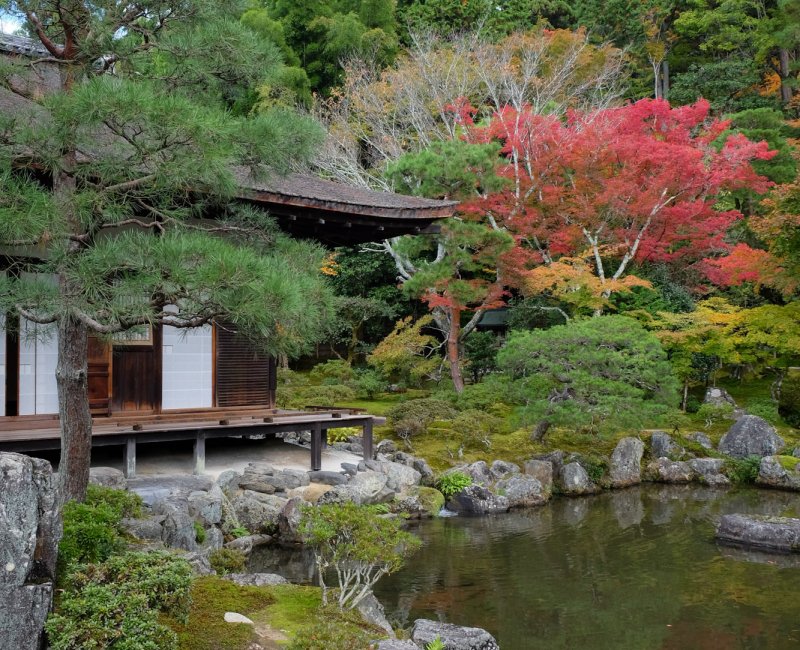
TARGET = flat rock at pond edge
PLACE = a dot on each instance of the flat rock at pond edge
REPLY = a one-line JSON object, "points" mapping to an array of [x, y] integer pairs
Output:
{"points": [[772, 473], [751, 435], [775, 533], [477, 500], [394, 644], [454, 637]]}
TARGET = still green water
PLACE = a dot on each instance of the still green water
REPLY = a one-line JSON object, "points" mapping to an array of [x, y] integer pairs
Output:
{"points": [[636, 569]]}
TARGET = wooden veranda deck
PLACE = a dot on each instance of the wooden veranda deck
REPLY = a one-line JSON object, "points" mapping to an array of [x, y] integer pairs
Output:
{"points": [[35, 433]]}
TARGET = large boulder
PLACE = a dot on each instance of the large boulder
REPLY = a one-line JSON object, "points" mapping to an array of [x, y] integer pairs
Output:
{"points": [[701, 439], [454, 637], [502, 469], [29, 535], [396, 644], [107, 477], [289, 520], [328, 478], [710, 471], [718, 397], [626, 462], [365, 488], [146, 529], [177, 526], [419, 502], [256, 511], [153, 489], [522, 491], [228, 481], [542, 471], [573, 480], [479, 472], [247, 543], [206, 507], [261, 477], [401, 476], [663, 446], [373, 613], [477, 500], [751, 435], [664, 470], [774, 533], [773, 473]]}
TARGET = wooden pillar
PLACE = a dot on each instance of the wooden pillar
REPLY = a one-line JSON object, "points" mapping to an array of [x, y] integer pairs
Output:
{"points": [[366, 440], [316, 447], [129, 457], [199, 453], [324, 439]]}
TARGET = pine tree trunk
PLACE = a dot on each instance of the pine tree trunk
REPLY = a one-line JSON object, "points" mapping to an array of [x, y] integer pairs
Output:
{"points": [[665, 79], [73, 410], [453, 349]]}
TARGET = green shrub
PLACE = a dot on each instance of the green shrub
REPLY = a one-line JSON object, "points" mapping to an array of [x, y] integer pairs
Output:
{"points": [[436, 644], [482, 396], [92, 529], [116, 604], [480, 352], [227, 560], [452, 483], [369, 383], [476, 428], [101, 617], [764, 408], [599, 375], [291, 379], [743, 470], [789, 403], [314, 395], [239, 531], [333, 369], [412, 417], [713, 413], [199, 533], [359, 544]]}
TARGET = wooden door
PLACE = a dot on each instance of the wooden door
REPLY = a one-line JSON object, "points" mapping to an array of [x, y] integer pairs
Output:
{"points": [[244, 376], [136, 373], [99, 376]]}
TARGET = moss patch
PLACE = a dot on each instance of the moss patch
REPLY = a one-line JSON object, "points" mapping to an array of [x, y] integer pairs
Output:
{"points": [[206, 628], [297, 611], [789, 463]]}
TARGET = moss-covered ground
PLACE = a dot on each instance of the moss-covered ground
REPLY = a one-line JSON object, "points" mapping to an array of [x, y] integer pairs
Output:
{"points": [[443, 447], [284, 615]]}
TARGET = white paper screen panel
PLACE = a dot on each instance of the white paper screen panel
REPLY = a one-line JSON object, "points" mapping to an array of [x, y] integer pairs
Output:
{"points": [[187, 368], [38, 356]]}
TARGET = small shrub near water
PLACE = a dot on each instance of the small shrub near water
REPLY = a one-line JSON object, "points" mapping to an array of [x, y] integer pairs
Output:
{"points": [[743, 470], [452, 483], [227, 560]]}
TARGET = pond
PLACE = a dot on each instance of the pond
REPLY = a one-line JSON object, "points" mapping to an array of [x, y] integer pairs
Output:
{"points": [[636, 569]]}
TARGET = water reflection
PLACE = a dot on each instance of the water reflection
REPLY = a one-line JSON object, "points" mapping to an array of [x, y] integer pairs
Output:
{"points": [[634, 569]]}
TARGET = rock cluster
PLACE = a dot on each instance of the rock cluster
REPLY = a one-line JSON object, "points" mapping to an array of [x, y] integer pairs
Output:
{"points": [[29, 535]]}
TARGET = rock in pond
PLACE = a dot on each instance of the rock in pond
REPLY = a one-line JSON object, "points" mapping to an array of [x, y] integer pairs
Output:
{"points": [[477, 500], [573, 480], [665, 470], [776, 533], [773, 473], [626, 462], [454, 637], [751, 435], [522, 491], [710, 471], [542, 471]]}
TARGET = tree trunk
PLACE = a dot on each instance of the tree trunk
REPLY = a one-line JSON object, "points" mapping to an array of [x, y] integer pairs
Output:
{"points": [[73, 409], [453, 349], [786, 89], [665, 79], [539, 431], [685, 400]]}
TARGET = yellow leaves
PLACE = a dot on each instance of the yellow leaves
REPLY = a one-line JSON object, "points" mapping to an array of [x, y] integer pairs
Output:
{"points": [[572, 280], [329, 265]]}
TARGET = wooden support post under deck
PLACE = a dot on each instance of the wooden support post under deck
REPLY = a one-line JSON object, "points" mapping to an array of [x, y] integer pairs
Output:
{"points": [[199, 453], [129, 457], [366, 440], [316, 447]]}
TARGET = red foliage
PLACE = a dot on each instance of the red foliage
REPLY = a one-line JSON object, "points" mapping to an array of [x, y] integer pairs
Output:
{"points": [[639, 181]]}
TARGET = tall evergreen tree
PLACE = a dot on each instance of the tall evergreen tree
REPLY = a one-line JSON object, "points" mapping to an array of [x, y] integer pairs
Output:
{"points": [[108, 179]]}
